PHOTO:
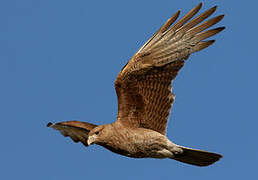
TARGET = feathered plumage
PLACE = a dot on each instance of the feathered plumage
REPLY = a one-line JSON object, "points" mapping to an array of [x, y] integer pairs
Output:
{"points": [[145, 97]]}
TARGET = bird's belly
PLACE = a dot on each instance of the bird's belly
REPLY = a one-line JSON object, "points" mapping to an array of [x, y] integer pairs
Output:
{"points": [[141, 147]]}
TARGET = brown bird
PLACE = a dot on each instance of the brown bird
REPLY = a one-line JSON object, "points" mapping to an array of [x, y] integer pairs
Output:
{"points": [[144, 93]]}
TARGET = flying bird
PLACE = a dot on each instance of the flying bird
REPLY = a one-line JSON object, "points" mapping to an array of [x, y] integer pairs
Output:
{"points": [[145, 97]]}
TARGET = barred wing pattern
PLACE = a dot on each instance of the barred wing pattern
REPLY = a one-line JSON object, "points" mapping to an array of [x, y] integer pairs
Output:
{"points": [[143, 86]]}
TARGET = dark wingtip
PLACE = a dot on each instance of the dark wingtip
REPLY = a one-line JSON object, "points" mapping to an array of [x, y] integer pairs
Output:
{"points": [[200, 5], [49, 124], [220, 156], [221, 16], [221, 28]]}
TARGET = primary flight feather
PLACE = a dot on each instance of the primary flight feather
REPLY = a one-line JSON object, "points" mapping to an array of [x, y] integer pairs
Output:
{"points": [[145, 97]]}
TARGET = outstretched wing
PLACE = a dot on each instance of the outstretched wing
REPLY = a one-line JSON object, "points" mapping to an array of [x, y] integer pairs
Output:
{"points": [[76, 130], [143, 86]]}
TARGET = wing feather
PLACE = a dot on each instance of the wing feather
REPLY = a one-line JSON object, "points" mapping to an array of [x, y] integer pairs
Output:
{"points": [[76, 130], [159, 33], [144, 85]]}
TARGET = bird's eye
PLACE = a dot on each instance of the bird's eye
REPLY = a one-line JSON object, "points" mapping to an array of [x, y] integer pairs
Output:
{"points": [[97, 132]]}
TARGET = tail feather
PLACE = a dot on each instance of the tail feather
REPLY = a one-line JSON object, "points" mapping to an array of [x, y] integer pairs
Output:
{"points": [[197, 157]]}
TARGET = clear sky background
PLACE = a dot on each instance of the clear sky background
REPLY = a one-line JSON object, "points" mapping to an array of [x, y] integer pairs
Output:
{"points": [[59, 60]]}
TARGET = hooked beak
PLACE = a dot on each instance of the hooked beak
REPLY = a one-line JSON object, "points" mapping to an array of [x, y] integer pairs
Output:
{"points": [[91, 139]]}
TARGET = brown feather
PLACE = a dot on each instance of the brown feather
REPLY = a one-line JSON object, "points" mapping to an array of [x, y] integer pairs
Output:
{"points": [[207, 34], [197, 157], [76, 130], [159, 33], [144, 86], [199, 19], [145, 97], [186, 18], [205, 25], [202, 45], [169, 35]]}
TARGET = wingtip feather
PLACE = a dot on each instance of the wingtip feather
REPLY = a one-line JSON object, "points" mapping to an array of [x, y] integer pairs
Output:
{"points": [[202, 45], [199, 5], [170, 21], [186, 18], [49, 124], [214, 7]]}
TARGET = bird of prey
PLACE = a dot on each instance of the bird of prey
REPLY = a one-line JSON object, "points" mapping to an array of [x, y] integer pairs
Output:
{"points": [[145, 97]]}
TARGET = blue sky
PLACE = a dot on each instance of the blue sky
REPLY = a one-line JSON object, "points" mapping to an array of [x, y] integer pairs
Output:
{"points": [[59, 60]]}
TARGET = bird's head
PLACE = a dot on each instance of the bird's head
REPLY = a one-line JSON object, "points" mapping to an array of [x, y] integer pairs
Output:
{"points": [[95, 135]]}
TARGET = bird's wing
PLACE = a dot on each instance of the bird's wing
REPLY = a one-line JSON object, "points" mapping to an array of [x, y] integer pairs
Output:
{"points": [[143, 86], [76, 130]]}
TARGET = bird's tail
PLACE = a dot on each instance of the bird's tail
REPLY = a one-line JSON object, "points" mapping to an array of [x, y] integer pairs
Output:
{"points": [[197, 157]]}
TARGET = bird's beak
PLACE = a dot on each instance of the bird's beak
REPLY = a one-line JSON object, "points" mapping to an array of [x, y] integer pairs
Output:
{"points": [[91, 139]]}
